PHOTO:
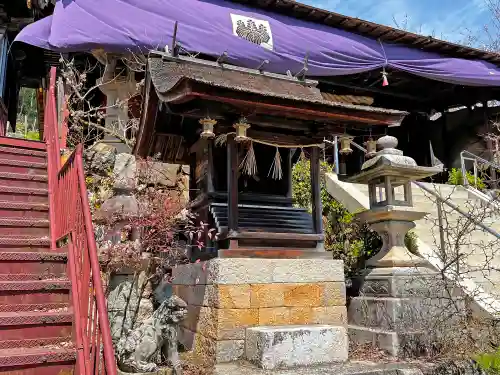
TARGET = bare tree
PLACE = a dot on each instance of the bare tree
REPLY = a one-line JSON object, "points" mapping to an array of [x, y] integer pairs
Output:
{"points": [[452, 313], [88, 119]]}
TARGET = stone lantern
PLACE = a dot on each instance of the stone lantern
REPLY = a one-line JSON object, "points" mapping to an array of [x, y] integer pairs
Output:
{"points": [[389, 215], [382, 314]]}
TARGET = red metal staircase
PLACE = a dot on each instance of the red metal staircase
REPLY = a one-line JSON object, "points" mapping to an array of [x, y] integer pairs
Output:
{"points": [[35, 311], [53, 318]]}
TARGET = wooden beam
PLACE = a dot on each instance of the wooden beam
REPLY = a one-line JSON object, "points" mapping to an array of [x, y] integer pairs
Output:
{"points": [[325, 113], [280, 236], [377, 91], [147, 121]]}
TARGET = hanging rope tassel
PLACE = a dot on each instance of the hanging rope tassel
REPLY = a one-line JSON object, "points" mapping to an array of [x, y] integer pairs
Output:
{"points": [[221, 140], [249, 162], [277, 171], [385, 81], [302, 154]]}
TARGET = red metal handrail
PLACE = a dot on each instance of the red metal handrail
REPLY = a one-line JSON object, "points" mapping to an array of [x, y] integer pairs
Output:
{"points": [[70, 218], [3, 119]]}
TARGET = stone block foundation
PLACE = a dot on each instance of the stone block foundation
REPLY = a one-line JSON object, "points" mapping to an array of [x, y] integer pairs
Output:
{"points": [[226, 296], [291, 346]]}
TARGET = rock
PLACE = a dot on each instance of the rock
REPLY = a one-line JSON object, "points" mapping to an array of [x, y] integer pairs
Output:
{"points": [[159, 173], [126, 308], [125, 205], [290, 346], [161, 371], [125, 172], [100, 158], [163, 291]]}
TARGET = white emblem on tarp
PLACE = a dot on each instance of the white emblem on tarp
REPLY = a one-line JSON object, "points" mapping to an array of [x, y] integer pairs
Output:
{"points": [[254, 30]]}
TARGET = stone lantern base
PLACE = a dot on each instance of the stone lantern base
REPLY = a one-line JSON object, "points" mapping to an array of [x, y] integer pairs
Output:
{"points": [[402, 302], [401, 309]]}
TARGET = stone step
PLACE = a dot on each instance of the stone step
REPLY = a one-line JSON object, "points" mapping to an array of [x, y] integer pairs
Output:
{"points": [[291, 346]]}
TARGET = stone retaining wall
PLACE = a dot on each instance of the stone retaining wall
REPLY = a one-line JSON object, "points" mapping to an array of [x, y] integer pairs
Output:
{"points": [[226, 296]]}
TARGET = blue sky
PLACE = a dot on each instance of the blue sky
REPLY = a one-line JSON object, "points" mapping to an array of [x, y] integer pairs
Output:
{"points": [[445, 19]]}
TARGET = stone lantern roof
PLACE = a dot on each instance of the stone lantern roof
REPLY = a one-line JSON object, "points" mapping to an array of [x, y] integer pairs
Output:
{"points": [[390, 162]]}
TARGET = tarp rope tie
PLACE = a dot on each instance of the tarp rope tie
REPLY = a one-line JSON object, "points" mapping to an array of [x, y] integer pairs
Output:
{"points": [[385, 81]]}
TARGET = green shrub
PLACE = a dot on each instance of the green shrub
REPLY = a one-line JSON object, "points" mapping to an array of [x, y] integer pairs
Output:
{"points": [[489, 362], [33, 136], [455, 177], [411, 242], [346, 237]]}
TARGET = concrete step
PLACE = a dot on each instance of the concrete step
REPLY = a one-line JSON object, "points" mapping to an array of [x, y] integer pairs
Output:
{"points": [[446, 191], [34, 292], [478, 243], [17, 210], [23, 194], [49, 360]]}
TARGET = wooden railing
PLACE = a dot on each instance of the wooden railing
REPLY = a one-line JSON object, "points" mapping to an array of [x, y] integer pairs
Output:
{"points": [[71, 222]]}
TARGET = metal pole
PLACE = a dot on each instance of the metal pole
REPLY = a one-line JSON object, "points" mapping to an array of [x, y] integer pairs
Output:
{"points": [[336, 154], [441, 230], [475, 174], [464, 178]]}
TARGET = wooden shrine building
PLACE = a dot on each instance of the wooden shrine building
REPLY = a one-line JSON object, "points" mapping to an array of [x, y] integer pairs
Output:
{"points": [[239, 129]]}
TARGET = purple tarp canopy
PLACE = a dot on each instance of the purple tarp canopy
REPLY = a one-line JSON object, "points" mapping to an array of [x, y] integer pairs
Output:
{"points": [[248, 35]]}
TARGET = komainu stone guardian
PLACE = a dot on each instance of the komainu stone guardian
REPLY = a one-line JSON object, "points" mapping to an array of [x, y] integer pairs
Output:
{"points": [[140, 350]]}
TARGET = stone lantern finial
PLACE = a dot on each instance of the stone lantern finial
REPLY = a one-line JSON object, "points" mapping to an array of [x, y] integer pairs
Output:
{"points": [[388, 142]]}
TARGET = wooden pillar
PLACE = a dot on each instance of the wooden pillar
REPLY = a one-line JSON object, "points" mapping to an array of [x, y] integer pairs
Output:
{"points": [[210, 244], [232, 184], [317, 210], [210, 165], [491, 147], [289, 171], [192, 177], [343, 166]]}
